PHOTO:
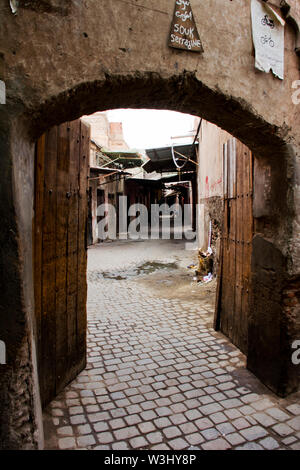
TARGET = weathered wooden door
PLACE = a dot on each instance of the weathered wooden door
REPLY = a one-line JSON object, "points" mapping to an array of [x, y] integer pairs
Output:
{"points": [[60, 256], [234, 281]]}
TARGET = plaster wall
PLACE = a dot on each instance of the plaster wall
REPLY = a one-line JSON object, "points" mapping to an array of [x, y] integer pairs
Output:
{"points": [[210, 184]]}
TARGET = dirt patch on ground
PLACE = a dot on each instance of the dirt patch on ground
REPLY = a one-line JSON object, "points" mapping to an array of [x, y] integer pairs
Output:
{"points": [[178, 284], [160, 267]]}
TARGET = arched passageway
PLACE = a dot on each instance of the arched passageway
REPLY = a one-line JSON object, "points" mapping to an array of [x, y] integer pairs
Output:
{"points": [[221, 86]]}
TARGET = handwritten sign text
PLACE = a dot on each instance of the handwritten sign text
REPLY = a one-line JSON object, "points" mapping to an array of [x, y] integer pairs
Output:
{"points": [[184, 34]]}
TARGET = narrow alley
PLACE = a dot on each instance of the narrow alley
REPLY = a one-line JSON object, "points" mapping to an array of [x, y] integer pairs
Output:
{"points": [[158, 376]]}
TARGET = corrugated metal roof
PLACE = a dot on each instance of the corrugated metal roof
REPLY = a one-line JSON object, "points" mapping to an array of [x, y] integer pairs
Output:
{"points": [[125, 158], [161, 158]]}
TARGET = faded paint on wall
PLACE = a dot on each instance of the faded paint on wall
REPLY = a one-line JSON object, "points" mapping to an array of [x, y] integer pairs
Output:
{"points": [[210, 171]]}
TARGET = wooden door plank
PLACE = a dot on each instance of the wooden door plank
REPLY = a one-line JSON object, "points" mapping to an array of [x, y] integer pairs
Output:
{"points": [[62, 181], [245, 245], [221, 314], [248, 234], [231, 262], [38, 241], [225, 247], [72, 248], [49, 270], [239, 247], [225, 272], [218, 303], [232, 240], [82, 244]]}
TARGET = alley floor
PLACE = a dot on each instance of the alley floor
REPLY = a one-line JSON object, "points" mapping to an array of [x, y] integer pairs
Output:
{"points": [[158, 376]]}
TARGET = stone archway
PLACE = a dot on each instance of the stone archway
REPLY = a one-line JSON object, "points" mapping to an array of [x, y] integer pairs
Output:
{"points": [[65, 69]]}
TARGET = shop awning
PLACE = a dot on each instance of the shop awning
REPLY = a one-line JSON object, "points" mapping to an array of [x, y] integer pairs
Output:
{"points": [[161, 158]]}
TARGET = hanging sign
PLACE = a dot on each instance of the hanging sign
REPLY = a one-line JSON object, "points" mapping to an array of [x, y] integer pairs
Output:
{"points": [[268, 38], [184, 34]]}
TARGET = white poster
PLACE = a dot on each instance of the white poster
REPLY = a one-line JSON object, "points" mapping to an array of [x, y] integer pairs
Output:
{"points": [[268, 38]]}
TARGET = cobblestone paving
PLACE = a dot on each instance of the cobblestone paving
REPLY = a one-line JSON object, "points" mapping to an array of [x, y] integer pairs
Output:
{"points": [[159, 377]]}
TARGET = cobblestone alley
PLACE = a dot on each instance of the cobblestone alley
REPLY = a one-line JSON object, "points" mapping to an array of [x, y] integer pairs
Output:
{"points": [[158, 376]]}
